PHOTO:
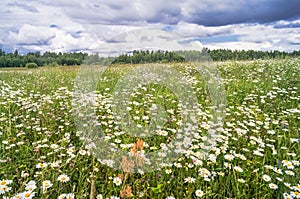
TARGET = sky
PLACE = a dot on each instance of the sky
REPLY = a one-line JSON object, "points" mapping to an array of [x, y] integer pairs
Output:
{"points": [[117, 26]]}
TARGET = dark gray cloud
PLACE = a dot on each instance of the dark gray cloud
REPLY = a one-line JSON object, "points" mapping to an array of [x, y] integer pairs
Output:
{"points": [[204, 12], [292, 24], [231, 12]]}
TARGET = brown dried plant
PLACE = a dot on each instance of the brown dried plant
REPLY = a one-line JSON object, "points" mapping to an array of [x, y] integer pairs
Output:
{"points": [[126, 193], [127, 165]]}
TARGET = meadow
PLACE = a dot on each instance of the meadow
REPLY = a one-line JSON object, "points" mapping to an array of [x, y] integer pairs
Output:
{"points": [[256, 154]]}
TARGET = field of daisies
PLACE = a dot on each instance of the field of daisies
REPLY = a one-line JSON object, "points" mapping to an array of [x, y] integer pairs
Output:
{"points": [[256, 155]]}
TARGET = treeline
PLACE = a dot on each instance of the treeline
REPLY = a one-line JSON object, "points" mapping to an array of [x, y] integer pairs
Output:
{"points": [[226, 54], [45, 59], [139, 57]]}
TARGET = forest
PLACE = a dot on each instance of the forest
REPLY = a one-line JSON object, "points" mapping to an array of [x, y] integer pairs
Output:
{"points": [[15, 59], [46, 59]]}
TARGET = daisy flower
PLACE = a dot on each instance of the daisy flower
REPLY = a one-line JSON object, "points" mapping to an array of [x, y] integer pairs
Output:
{"points": [[99, 196], [63, 178], [199, 193], [287, 196], [4, 189], [46, 184], [238, 169], [297, 187], [18, 196], [41, 165], [70, 196], [114, 197], [5, 182], [28, 194], [295, 194], [291, 173], [229, 157], [117, 181], [163, 133], [273, 186], [62, 196], [189, 180], [30, 187], [266, 178], [168, 171]]}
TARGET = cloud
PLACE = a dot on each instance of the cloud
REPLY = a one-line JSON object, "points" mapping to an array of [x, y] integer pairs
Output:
{"points": [[287, 24], [44, 38], [261, 37], [31, 35], [146, 39], [93, 25], [224, 12], [25, 7], [195, 30], [204, 12]]}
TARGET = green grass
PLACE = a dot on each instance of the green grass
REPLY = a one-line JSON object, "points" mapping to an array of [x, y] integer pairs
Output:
{"points": [[260, 132]]}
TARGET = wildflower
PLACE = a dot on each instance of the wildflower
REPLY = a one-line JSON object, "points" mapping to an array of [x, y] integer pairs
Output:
{"points": [[117, 181], [279, 179], [269, 167], [178, 165], [278, 171], [70, 196], [5, 182], [4, 189], [189, 180], [199, 193], [30, 187], [229, 157], [168, 171], [227, 165], [255, 170], [266, 178], [273, 186], [126, 193], [296, 187], [291, 173], [163, 133], [41, 165], [221, 173], [287, 196], [18, 196], [24, 174], [287, 184], [204, 172], [82, 152], [63, 178], [62, 196], [288, 164], [46, 184], [237, 168], [99, 196], [28, 194], [296, 162], [295, 194]]}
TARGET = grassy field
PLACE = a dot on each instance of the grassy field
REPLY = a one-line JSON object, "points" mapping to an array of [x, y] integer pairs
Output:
{"points": [[256, 156]]}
